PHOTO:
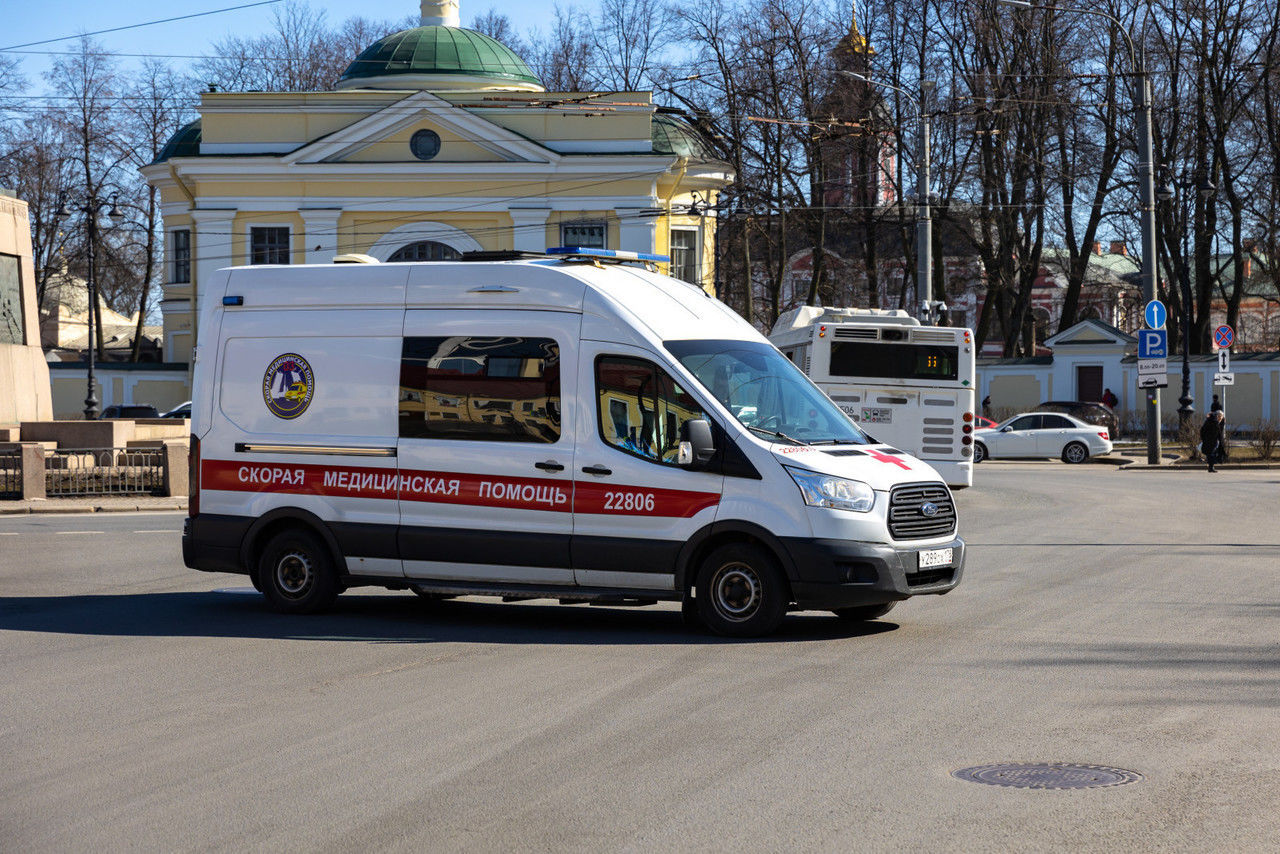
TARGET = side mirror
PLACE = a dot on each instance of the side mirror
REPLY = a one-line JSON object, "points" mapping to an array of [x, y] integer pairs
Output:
{"points": [[696, 446], [1006, 429]]}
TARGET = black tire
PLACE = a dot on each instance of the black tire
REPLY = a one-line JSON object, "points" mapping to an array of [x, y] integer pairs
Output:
{"points": [[741, 592], [979, 452], [862, 613], [254, 580], [297, 573], [1075, 453]]}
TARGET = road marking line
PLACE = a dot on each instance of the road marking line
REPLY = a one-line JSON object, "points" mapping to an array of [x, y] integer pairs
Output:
{"points": [[8, 533]]}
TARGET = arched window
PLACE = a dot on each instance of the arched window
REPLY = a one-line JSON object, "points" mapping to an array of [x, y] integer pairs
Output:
{"points": [[425, 250]]}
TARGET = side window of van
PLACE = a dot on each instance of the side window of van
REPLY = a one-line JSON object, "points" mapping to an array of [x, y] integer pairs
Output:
{"points": [[494, 389], [641, 408]]}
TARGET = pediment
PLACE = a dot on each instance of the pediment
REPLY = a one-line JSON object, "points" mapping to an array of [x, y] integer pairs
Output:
{"points": [[384, 136], [1091, 332]]}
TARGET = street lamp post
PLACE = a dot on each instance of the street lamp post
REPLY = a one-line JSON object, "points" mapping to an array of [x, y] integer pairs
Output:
{"points": [[924, 217], [1205, 190], [1146, 187], [91, 207]]}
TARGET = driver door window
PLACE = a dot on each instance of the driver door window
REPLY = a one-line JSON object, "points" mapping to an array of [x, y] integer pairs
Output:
{"points": [[641, 408]]}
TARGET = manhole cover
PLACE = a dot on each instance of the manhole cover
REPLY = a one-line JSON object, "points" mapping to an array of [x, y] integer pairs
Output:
{"points": [[1047, 775]]}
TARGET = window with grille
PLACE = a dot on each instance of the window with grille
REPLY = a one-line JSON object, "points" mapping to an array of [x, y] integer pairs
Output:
{"points": [[269, 245], [684, 254], [587, 235], [182, 255], [425, 250]]}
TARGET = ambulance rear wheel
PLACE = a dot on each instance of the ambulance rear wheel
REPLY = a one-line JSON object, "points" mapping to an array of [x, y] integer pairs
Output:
{"points": [[297, 573], [862, 613], [741, 591]]}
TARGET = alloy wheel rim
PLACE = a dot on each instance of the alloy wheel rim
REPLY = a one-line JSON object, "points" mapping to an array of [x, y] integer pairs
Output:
{"points": [[1073, 454], [736, 591]]}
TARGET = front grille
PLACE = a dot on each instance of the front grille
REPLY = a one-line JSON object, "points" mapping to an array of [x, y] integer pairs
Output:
{"points": [[906, 522]]}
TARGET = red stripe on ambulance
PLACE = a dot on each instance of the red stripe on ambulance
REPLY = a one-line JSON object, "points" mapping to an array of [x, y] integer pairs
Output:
{"points": [[515, 493]]}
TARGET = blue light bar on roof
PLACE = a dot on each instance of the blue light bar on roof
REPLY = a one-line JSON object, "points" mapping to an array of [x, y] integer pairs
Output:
{"points": [[614, 254]]}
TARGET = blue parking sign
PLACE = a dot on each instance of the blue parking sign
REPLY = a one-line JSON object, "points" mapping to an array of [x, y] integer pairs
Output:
{"points": [[1153, 344]]}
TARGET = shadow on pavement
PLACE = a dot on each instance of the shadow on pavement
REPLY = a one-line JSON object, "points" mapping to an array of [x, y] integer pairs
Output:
{"points": [[384, 619]]}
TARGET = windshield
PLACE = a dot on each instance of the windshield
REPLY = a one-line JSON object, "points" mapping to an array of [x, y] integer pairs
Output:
{"points": [[768, 394]]}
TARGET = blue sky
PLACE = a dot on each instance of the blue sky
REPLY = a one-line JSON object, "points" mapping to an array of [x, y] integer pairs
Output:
{"points": [[31, 21]]}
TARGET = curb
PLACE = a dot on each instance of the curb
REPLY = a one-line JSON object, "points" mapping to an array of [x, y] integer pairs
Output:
{"points": [[43, 509]]}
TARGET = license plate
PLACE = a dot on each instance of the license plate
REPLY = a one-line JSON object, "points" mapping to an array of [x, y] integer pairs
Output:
{"points": [[936, 557]]}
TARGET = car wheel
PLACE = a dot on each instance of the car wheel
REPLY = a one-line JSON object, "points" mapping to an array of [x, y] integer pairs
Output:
{"points": [[1075, 452], [297, 573], [741, 591], [979, 452], [862, 613]]}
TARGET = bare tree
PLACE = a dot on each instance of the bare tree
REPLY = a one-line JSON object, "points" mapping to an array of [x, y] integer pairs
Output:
{"points": [[564, 59]]}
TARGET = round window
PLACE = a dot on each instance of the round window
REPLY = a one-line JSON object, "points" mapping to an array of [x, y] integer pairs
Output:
{"points": [[425, 144]]}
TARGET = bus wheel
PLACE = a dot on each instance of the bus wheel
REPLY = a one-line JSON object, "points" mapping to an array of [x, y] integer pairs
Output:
{"points": [[979, 452], [297, 573], [1075, 453], [862, 613], [741, 592]]}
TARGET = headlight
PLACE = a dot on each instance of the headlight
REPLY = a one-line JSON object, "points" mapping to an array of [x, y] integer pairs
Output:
{"points": [[823, 490]]}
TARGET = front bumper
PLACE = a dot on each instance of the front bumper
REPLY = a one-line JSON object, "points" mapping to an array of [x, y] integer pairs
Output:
{"points": [[844, 574]]}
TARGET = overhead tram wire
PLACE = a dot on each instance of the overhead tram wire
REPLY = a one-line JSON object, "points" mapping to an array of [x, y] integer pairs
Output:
{"points": [[144, 24]]}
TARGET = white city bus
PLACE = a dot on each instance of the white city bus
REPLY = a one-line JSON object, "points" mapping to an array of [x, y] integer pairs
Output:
{"points": [[907, 385]]}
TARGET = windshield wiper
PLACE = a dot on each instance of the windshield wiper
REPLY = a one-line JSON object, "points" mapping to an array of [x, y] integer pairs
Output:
{"points": [[838, 442], [776, 434]]}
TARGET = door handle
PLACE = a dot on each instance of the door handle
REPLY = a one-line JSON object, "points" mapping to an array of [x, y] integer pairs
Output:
{"points": [[549, 465], [597, 470]]}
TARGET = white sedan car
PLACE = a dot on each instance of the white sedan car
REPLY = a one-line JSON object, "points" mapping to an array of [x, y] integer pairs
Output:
{"points": [[1042, 434]]}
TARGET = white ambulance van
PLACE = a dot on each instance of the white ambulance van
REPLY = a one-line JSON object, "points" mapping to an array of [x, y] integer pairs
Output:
{"points": [[554, 427]]}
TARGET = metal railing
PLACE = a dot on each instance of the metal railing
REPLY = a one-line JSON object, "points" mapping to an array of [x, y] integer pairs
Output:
{"points": [[103, 471], [10, 474]]}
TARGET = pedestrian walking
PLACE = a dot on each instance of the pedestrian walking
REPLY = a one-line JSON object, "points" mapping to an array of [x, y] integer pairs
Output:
{"points": [[1215, 405], [986, 407], [1211, 438], [1109, 398]]}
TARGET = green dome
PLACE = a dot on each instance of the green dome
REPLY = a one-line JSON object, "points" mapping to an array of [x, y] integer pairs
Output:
{"points": [[672, 135], [443, 52], [184, 143]]}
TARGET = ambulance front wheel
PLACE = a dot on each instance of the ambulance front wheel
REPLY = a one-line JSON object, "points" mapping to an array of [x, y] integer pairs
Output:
{"points": [[741, 591], [297, 573]]}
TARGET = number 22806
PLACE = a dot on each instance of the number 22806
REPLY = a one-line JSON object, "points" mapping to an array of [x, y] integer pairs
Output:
{"points": [[634, 502]]}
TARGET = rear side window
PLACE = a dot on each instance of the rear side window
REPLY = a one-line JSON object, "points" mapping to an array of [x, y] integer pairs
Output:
{"points": [[491, 389], [642, 408]]}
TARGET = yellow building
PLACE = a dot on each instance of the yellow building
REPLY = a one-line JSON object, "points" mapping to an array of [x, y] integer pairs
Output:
{"points": [[437, 141]]}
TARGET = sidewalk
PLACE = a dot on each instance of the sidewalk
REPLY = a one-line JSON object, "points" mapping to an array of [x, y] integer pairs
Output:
{"points": [[93, 504]]}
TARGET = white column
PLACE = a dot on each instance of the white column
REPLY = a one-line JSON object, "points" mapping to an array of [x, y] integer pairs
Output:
{"points": [[529, 228], [212, 249], [636, 233], [320, 234]]}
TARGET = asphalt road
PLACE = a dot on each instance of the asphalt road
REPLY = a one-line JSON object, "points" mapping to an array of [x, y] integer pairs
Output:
{"points": [[1123, 619]]}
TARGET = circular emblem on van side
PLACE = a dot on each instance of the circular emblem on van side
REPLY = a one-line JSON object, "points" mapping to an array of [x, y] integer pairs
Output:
{"points": [[288, 385], [929, 509]]}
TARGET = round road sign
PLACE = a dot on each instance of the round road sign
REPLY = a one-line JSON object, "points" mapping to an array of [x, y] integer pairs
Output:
{"points": [[1223, 337], [1155, 314]]}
